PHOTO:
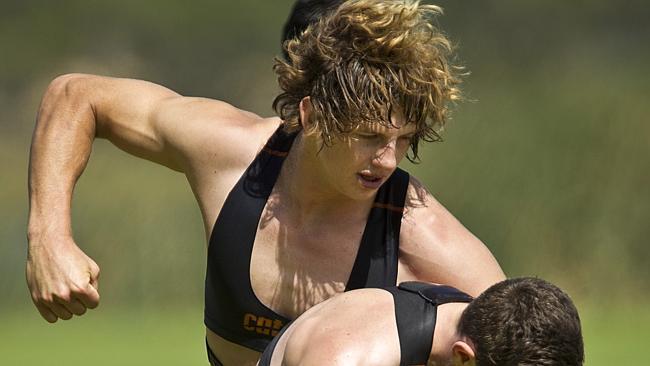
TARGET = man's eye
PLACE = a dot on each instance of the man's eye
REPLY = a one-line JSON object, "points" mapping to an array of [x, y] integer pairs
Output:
{"points": [[367, 136]]}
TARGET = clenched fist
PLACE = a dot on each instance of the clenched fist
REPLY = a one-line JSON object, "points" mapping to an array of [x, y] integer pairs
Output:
{"points": [[61, 278]]}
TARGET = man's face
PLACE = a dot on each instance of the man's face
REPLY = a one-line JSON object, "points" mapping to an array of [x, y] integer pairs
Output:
{"points": [[361, 161]]}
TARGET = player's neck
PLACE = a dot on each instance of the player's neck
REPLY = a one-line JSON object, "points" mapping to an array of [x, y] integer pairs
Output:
{"points": [[446, 333]]}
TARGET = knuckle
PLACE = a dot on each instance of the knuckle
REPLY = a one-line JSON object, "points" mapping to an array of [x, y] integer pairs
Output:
{"points": [[63, 295], [77, 290], [46, 299], [93, 303], [82, 293], [36, 297]]}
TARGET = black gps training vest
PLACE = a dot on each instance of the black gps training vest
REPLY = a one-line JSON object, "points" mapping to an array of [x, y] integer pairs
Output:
{"points": [[231, 308], [416, 309]]}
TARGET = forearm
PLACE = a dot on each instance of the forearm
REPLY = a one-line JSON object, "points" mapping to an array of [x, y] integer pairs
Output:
{"points": [[75, 109], [61, 146]]}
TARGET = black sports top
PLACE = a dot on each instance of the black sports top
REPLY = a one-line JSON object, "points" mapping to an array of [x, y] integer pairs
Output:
{"points": [[416, 308], [231, 308]]}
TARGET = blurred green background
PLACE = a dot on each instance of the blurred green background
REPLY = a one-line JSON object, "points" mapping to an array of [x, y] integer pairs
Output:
{"points": [[548, 163]]}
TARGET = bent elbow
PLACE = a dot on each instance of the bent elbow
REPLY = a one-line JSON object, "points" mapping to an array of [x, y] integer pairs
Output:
{"points": [[66, 85], [66, 102]]}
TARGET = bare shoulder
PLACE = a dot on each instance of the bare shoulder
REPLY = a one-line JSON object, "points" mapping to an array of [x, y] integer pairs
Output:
{"points": [[354, 328], [214, 142], [209, 133], [436, 247]]}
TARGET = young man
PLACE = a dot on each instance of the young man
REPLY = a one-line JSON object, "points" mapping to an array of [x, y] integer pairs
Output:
{"points": [[295, 209], [521, 321]]}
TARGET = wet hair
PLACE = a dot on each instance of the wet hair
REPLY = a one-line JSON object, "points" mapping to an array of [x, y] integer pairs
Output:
{"points": [[365, 60], [304, 13], [523, 322]]}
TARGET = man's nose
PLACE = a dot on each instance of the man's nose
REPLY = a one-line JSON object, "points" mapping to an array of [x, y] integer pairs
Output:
{"points": [[386, 156]]}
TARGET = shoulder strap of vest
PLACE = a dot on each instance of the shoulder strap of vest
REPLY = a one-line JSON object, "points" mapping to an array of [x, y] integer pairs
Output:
{"points": [[435, 294], [416, 308], [416, 321], [377, 257]]}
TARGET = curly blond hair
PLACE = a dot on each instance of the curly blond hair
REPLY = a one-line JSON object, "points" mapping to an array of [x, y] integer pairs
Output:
{"points": [[363, 60]]}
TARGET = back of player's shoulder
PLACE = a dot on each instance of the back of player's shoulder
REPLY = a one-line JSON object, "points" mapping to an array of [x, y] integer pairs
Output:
{"points": [[353, 328]]}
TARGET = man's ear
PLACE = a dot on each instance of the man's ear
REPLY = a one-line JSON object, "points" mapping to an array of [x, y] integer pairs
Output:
{"points": [[305, 113], [463, 354]]}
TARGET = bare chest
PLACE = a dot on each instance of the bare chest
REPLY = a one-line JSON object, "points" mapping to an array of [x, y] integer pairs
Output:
{"points": [[294, 267]]}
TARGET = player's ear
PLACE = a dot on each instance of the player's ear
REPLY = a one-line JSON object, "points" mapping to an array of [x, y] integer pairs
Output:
{"points": [[306, 114], [463, 354]]}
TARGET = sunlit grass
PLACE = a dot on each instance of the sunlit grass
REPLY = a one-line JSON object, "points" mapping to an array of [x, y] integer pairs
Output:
{"points": [[104, 337], [616, 336]]}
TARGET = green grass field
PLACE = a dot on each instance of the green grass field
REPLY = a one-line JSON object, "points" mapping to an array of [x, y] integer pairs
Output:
{"points": [[110, 337], [616, 336], [104, 338]]}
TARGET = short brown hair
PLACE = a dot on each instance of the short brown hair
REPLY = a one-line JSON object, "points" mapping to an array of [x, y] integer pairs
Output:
{"points": [[363, 60], [524, 322]]}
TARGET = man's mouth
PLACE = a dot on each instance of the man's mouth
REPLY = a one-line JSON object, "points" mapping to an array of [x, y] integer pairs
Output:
{"points": [[370, 181]]}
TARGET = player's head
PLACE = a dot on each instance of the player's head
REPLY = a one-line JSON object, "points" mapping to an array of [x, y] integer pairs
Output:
{"points": [[523, 321], [304, 13], [364, 62]]}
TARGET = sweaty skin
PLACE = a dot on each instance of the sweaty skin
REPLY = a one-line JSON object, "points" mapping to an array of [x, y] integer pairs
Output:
{"points": [[297, 260], [359, 328]]}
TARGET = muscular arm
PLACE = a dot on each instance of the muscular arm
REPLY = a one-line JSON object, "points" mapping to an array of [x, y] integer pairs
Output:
{"points": [[139, 117], [436, 247], [75, 109]]}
